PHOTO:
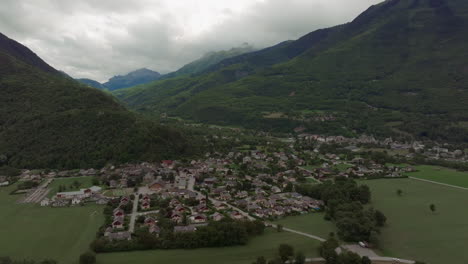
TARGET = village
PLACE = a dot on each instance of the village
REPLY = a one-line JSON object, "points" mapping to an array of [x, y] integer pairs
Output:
{"points": [[257, 183]]}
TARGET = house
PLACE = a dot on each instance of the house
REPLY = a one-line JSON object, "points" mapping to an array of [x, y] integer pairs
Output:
{"points": [[119, 236], [198, 219], [45, 202], [179, 209], [145, 198], [209, 181], [118, 212], [154, 229], [101, 201], [202, 208], [236, 215], [176, 218], [219, 205], [217, 216], [184, 229], [150, 221], [168, 164], [145, 205], [118, 223], [157, 186]]}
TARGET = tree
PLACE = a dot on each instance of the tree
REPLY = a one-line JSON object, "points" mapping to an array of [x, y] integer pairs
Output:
{"points": [[366, 260], [399, 192], [88, 258], [327, 250], [285, 251], [260, 260], [95, 181], [300, 258], [279, 228], [432, 207], [380, 218]]}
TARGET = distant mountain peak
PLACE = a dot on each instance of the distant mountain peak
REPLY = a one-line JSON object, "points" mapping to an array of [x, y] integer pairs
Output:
{"points": [[137, 77]]}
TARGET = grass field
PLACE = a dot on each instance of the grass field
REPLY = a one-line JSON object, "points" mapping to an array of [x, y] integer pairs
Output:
{"points": [[413, 231], [440, 174], [118, 192], [310, 223], [34, 232], [265, 245], [85, 182]]}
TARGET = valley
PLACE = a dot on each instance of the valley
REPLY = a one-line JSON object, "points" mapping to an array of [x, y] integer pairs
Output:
{"points": [[344, 145]]}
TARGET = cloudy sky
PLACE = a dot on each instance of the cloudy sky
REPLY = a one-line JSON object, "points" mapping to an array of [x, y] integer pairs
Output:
{"points": [[100, 38]]}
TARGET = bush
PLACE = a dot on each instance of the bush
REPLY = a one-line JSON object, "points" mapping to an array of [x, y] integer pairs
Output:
{"points": [[88, 258]]}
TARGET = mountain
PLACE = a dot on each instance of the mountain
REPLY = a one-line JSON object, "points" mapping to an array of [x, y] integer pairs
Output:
{"points": [[50, 121], [92, 83], [134, 78], [398, 69], [208, 60]]}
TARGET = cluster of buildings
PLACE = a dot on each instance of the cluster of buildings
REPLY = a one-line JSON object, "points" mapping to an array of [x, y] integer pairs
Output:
{"points": [[61, 199]]}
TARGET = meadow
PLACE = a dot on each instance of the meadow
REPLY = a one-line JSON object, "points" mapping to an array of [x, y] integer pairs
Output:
{"points": [[33, 232], [441, 174], [265, 245], [309, 223], [413, 231], [68, 183]]}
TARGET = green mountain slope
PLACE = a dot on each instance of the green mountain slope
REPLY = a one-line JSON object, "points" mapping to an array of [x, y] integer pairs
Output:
{"points": [[398, 68], [91, 83], [208, 60], [49, 121], [140, 76]]}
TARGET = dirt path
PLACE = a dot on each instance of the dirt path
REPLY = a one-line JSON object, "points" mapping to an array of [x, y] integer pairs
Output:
{"points": [[439, 183]]}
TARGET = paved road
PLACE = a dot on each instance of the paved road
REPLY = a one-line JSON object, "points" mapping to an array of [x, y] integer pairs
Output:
{"points": [[148, 212], [439, 183], [131, 228]]}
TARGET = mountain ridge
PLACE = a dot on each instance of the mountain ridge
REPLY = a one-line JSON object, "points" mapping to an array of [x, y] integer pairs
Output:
{"points": [[50, 121], [397, 62]]}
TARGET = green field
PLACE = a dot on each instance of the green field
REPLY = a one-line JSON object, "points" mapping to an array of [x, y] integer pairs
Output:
{"points": [[31, 231], [85, 182], [313, 224], [440, 174], [413, 231], [118, 192], [265, 245]]}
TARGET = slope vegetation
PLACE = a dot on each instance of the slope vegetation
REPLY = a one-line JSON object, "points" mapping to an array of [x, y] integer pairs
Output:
{"points": [[49, 121], [398, 68]]}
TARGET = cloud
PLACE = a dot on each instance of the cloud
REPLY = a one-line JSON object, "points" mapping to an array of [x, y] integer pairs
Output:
{"points": [[99, 39]]}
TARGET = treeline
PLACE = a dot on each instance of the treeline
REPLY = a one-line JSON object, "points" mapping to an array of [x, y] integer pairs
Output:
{"points": [[8, 260], [224, 233], [346, 202]]}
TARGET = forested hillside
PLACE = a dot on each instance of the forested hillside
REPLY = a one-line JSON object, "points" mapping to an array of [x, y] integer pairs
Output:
{"points": [[400, 69], [49, 121]]}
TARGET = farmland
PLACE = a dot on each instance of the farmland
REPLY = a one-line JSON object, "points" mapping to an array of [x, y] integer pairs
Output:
{"points": [[440, 174], [265, 245], [413, 231], [34, 232]]}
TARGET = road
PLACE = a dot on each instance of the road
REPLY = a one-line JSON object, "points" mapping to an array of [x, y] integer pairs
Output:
{"points": [[439, 183], [133, 217]]}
